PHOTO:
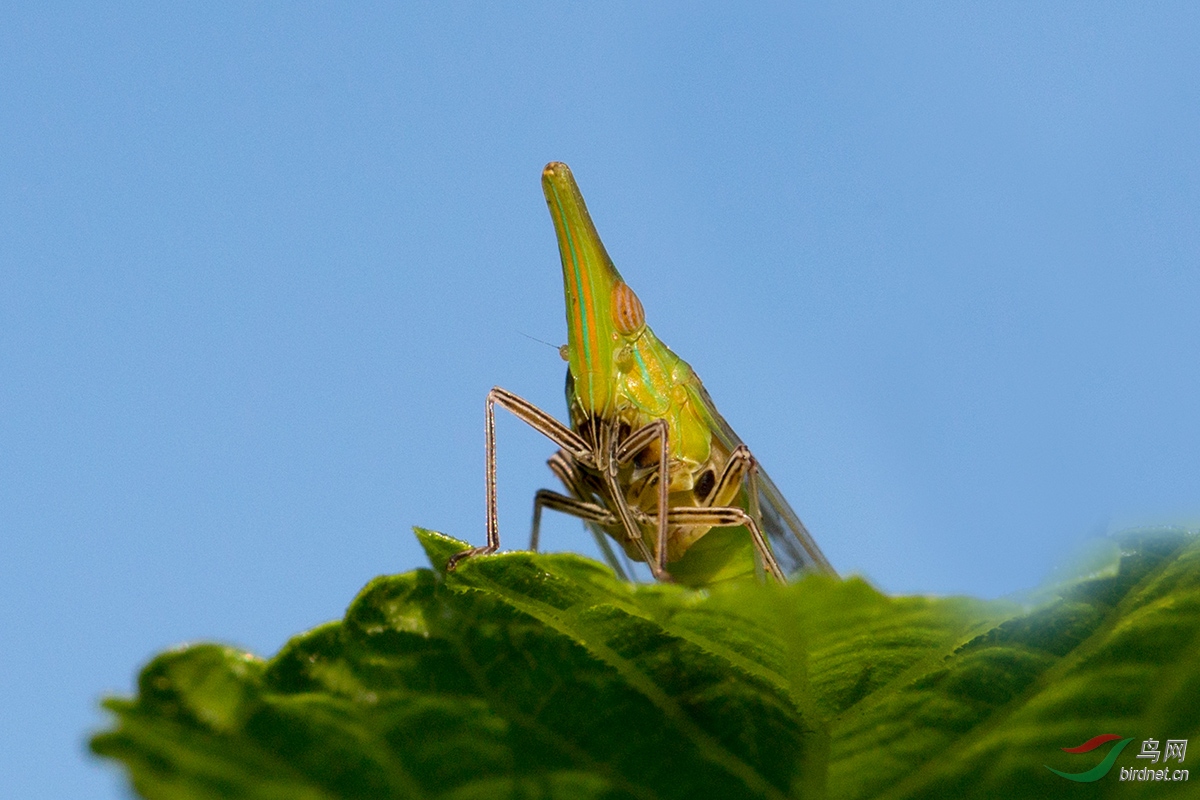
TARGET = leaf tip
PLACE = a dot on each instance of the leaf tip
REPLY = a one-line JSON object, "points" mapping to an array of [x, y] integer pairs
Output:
{"points": [[438, 547]]}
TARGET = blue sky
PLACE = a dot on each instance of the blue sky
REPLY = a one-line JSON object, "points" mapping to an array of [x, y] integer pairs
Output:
{"points": [[260, 265]]}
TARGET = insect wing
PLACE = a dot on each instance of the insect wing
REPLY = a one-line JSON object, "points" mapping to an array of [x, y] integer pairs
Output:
{"points": [[793, 546], [791, 542]]}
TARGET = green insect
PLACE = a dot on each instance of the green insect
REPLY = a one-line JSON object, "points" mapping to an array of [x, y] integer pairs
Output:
{"points": [[647, 460]]}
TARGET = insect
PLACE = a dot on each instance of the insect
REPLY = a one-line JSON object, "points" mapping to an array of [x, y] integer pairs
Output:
{"points": [[646, 460]]}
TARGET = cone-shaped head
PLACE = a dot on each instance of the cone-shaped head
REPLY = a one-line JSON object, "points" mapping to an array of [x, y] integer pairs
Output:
{"points": [[603, 313]]}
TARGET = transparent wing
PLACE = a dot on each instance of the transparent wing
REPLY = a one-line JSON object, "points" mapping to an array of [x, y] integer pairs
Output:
{"points": [[790, 541]]}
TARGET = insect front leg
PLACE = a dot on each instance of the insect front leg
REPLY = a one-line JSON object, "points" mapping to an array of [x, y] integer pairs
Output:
{"points": [[540, 421], [634, 444]]}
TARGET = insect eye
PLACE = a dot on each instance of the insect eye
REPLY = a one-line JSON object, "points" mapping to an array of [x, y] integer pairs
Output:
{"points": [[627, 311], [704, 484]]}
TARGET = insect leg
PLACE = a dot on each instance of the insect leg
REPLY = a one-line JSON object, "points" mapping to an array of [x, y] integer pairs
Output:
{"points": [[633, 529], [728, 516], [566, 470], [588, 512], [576, 504], [606, 457], [741, 467], [563, 467], [633, 445], [739, 464], [540, 421]]}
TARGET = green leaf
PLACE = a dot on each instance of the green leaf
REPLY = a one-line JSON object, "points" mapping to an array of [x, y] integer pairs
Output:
{"points": [[544, 676]]}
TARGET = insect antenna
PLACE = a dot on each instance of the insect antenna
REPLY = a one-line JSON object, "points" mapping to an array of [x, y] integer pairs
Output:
{"points": [[539, 341]]}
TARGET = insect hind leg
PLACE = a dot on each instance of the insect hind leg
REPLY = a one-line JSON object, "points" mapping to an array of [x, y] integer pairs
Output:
{"points": [[741, 469]]}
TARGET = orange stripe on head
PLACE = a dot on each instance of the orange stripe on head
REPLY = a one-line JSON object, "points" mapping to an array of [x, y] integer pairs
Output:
{"points": [[588, 281]]}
